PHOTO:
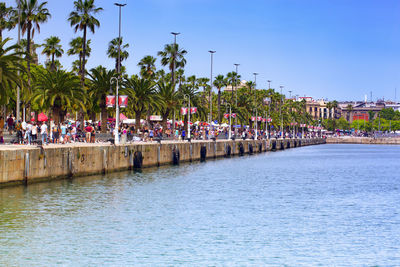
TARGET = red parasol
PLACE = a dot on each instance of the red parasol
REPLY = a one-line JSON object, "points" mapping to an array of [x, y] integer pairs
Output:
{"points": [[42, 117]]}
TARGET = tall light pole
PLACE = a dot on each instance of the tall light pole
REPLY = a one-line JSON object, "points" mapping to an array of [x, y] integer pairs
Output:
{"points": [[230, 121], [290, 93], [255, 88], [269, 84], [188, 133], [19, 39], [116, 132], [280, 111], [119, 39], [256, 125], [236, 106], [211, 84], [173, 80]]}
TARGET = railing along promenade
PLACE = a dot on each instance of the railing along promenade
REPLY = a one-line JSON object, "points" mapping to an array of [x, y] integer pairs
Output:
{"points": [[22, 164]]}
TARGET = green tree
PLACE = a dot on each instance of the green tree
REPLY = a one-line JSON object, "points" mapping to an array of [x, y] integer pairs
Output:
{"points": [[52, 48], [81, 19], [168, 100], [233, 80], [141, 93], [99, 88], [6, 21], [33, 13], [59, 90], [173, 57], [147, 67], [76, 48], [112, 52], [219, 83], [10, 65]]}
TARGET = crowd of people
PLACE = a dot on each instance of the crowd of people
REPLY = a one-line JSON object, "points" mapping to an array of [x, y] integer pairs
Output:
{"points": [[66, 132]]}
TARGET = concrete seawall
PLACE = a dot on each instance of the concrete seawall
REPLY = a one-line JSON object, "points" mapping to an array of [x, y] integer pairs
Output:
{"points": [[23, 164], [363, 140]]}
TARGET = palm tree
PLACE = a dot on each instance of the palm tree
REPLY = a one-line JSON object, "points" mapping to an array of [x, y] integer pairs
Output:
{"points": [[219, 82], [52, 48], [76, 45], [99, 87], [112, 51], [141, 93], [10, 65], [82, 18], [147, 67], [168, 99], [59, 90], [33, 55], [32, 14], [6, 21], [173, 56], [232, 79], [349, 111]]}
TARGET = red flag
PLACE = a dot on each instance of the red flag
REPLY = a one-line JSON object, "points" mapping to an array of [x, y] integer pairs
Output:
{"points": [[193, 110], [123, 101], [184, 111], [259, 118], [233, 115], [253, 118], [110, 101], [226, 115]]}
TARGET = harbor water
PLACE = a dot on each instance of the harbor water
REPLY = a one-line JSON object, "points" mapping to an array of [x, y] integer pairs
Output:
{"points": [[327, 205]]}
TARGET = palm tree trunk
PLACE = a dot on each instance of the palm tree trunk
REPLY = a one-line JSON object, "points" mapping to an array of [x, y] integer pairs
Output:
{"points": [[138, 115], [82, 116], [53, 67], [104, 119], [164, 120]]}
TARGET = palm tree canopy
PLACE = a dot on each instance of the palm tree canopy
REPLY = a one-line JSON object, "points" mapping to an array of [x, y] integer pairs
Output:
{"points": [[52, 47], [112, 50], [76, 45], [58, 89], [172, 53], [32, 14], [10, 65], [82, 17], [147, 66], [219, 82], [6, 18]]}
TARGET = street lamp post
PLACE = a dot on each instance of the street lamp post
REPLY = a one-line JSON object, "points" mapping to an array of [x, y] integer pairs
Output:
{"points": [[119, 38], [116, 132], [256, 135], [280, 111], [230, 121], [18, 116], [188, 133], [269, 84], [211, 85], [236, 106], [173, 80]]}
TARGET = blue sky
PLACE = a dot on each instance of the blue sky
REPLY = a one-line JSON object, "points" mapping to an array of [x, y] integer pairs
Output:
{"points": [[335, 49]]}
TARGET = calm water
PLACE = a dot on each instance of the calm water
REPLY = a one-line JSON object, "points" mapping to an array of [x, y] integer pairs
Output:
{"points": [[320, 205]]}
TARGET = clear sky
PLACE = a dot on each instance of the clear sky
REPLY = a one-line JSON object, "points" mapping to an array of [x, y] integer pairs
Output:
{"points": [[335, 49]]}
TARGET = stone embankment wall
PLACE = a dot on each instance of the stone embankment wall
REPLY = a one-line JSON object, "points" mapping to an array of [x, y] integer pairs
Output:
{"points": [[363, 140], [27, 164]]}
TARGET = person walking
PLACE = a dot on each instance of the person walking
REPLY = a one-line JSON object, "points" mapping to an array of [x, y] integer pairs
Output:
{"points": [[34, 132], [1, 129], [43, 133], [18, 128], [10, 124]]}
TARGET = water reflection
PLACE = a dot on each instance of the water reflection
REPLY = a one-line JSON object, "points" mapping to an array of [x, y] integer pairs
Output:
{"points": [[328, 205]]}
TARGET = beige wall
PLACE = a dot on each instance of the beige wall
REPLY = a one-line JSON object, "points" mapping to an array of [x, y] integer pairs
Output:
{"points": [[23, 165]]}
